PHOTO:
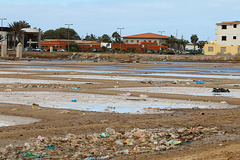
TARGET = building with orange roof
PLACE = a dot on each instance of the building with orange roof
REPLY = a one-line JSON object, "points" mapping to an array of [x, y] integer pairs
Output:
{"points": [[228, 39], [146, 37]]}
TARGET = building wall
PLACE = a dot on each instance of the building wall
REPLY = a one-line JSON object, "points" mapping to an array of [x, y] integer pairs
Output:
{"points": [[229, 32], [58, 44], [134, 40], [213, 49]]}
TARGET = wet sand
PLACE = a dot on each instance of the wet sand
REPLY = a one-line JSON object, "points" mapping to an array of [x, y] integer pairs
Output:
{"points": [[33, 85]]}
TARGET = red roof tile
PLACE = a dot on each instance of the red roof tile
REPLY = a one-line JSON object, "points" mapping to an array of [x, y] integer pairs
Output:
{"points": [[232, 22], [146, 35]]}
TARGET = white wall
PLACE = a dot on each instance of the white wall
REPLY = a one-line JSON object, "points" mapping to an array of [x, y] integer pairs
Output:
{"points": [[229, 33]]}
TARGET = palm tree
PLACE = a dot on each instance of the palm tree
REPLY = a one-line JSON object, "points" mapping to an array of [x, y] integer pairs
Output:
{"points": [[116, 36], [171, 41], [16, 29], [184, 42], [201, 44], [194, 40]]}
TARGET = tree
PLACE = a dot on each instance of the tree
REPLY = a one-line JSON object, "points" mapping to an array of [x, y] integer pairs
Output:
{"points": [[184, 42], [73, 47], [49, 34], [194, 40], [171, 41], [116, 36], [90, 38], [201, 44], [61, 33], [105, 38], [16, 29]]}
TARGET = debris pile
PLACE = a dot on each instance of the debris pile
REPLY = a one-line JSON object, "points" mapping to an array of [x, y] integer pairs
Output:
{"points": [[108, 144]]}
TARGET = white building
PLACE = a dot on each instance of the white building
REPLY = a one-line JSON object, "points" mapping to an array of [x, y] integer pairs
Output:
{"points": [[228, 33], [228, 39]]}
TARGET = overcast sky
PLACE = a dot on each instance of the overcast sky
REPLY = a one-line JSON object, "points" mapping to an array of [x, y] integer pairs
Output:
{"points": [[181, 17]]}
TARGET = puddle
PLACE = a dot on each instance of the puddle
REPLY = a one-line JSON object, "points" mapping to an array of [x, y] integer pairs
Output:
{"points": [[123, 78], [101, 103], [184, 63], [15, 120], [37, 81], [64, 70], [192, 75], [195, 91]]}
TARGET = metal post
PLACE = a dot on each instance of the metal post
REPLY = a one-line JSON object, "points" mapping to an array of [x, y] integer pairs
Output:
{"points": [[2, 29], [120, 38], [161, 32], [68, 34]]}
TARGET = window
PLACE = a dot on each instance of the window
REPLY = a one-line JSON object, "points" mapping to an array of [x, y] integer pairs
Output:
{"points": [[126, 41], [224, 38], [210, 49], [149, 41], [224, 26], [234, 37], [223, 49], [137, 41], [145, 41], [132, 41], [155, 41], [235, 26]]}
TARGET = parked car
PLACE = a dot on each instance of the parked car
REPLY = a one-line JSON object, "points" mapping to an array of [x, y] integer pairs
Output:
{"points": [[185, 52], [150, 51], [28, 49], [61, 50], [96, 50], [192, 52], [37, 49]]}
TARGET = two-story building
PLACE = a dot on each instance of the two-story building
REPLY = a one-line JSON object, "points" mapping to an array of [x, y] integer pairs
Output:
{"points": [[228, 39], [146, 37]]}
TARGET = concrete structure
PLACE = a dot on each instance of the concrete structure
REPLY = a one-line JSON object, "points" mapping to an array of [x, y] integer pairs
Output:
{"points": [[4, 50], [228, 39], [4, 35], [19, 51], [31, 38], [145, 37]]}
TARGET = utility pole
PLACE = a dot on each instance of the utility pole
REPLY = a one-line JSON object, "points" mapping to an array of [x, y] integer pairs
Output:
{"points": [[68, 34], [161, 32], [2, 19], [177, 32], [120, 38]]}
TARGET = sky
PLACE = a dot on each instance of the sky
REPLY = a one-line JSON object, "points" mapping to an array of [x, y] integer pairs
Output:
{"points": [[174, 17]]}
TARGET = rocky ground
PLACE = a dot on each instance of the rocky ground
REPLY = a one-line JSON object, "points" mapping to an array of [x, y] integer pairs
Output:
{"points": [[208, 133]]}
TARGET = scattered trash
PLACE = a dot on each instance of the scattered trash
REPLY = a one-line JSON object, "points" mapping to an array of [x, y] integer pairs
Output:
{"points": [[236, 85], [200, 82], [208, 83], [29, 154], [129, 94], [156, 85], [76, 88], [8, 90], [109, 144], [40, 138], [104, 135], [175, 82], [143, 96], [74, 100], [110, 107], [220, 90], [51, 146], [223, 102]]}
